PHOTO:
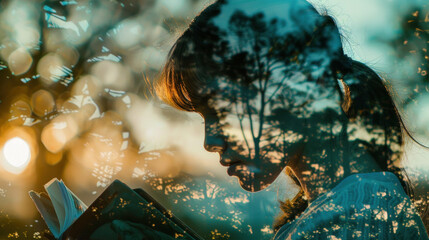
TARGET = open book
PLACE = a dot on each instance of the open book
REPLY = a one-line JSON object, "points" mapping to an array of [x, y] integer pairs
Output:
{"points": [[59, 208], [68, 218]]}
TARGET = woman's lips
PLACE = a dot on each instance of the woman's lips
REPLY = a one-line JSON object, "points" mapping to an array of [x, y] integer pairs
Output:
{"points": [[232, 164], [226, 162], [236, 164], [233, 169]]}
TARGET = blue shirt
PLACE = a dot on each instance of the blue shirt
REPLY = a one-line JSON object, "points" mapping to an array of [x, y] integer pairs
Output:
{"points": [[362, 206]]}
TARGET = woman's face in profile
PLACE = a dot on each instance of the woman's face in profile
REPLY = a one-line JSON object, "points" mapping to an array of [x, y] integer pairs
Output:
{"points": [[250, 144]]}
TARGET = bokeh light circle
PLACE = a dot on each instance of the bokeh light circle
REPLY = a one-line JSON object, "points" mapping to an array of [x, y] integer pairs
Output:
{"points": [[17, 152]]}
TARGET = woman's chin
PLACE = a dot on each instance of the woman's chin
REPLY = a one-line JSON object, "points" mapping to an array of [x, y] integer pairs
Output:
{"points": [[254, 184]]}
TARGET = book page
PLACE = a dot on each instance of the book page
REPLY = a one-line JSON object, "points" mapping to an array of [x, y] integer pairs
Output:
{"points": [[58, 201], [46, 209], [78, 207], [73, 206], [67, 206]]}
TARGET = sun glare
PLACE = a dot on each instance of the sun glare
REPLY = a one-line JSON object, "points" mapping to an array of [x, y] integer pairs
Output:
{"points": [[17, 152]]}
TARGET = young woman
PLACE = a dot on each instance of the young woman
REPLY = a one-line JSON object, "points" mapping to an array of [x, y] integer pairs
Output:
{"points": [[276, 92]]}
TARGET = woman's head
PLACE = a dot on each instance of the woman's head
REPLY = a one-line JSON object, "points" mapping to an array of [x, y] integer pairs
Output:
{"points": [[270, 78], [226, 39]]}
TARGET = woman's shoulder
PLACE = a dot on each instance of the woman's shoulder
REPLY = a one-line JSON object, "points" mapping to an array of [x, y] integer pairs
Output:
{"points": [[371, 188], [386, 179], [363, 190], [364, 206]]}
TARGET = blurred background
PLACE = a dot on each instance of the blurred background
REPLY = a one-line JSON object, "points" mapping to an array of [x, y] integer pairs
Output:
{"points": [[76, 104]]}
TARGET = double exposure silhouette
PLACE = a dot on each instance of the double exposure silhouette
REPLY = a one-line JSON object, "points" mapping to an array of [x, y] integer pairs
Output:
{"points": [[276, 91]]}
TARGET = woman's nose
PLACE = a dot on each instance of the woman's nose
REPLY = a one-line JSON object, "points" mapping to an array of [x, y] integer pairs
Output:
{"points": [[214, 140], [214, 143]]}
